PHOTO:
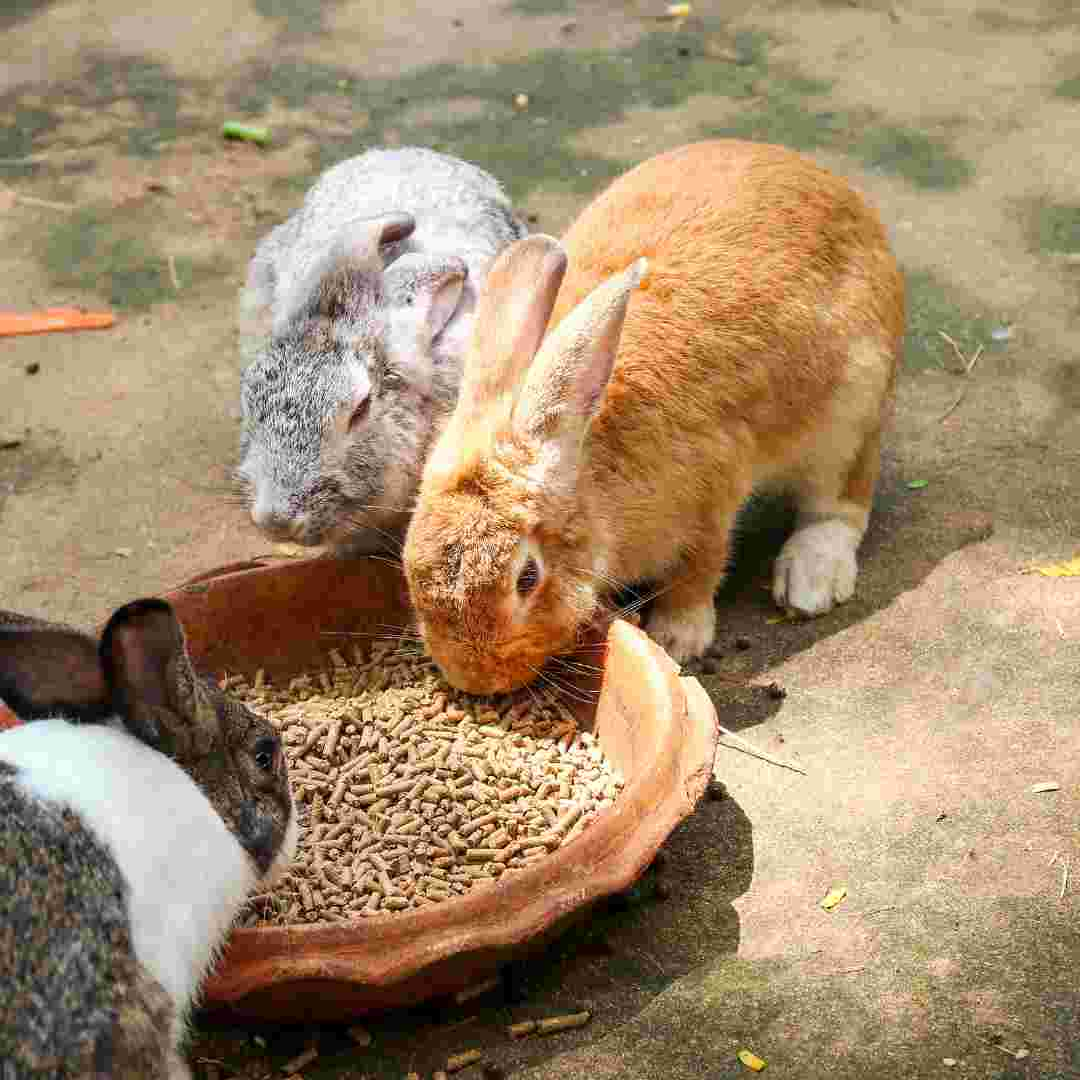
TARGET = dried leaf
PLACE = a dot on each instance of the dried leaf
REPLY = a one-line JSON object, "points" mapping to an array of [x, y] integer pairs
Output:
{"points": [[1070, 568], [751, 1060], [833, 897]]}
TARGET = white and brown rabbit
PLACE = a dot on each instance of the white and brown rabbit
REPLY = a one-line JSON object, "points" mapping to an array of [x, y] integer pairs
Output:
{"points": [[759, 350], [127, 846]]}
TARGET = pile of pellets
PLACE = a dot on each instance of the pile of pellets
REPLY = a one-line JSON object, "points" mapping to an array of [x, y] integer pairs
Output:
{"points": [[410, 792]]}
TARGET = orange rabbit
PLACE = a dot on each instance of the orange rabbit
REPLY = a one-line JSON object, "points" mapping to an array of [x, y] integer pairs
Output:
{"points": [[760, 350]]}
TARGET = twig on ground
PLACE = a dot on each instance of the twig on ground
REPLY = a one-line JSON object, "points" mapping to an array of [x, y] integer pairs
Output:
{"points": [[1064, 879], [173, 274], [968, 367], [47, 204], [750, 748]]}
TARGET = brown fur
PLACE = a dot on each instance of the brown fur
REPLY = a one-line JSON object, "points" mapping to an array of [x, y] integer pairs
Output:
{"points": [[760, 349]]}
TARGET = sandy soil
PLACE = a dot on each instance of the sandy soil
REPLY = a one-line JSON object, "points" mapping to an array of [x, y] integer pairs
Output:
{"points": [[923, 711]]}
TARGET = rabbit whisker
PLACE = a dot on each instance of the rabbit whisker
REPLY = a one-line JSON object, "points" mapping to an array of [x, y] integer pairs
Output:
{"points": [[572, 692], [358, 526]]}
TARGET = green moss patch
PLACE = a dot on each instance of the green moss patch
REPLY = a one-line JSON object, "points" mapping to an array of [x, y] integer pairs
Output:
{"points": [[540, 7], [300, 17], [782, 115], [20, 128], [926, 161], [100, 252], [1053, 227], [1069, 88], [933, 307]]}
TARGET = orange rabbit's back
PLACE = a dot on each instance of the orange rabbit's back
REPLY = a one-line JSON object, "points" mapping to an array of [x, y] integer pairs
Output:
{"points": [[763, 268], [759, 350]]}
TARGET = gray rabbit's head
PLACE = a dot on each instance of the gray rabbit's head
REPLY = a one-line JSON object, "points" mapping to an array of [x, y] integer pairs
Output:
{"points": [[340, 401]]}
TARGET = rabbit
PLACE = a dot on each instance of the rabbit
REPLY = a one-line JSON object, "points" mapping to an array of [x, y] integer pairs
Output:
{"points": [[354, 321], [730, 317], [127, 846]]}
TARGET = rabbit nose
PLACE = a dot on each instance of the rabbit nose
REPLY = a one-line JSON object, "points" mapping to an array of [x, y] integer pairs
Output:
{"points": [[274, 522]]}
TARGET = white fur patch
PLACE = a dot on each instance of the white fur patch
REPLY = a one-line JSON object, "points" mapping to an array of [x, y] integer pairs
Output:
{"points": [[816, 568], [684, 633], [359, 381], [187, 874]]}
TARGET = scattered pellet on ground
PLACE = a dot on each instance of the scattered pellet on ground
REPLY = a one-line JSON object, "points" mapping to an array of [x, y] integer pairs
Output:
{"points": [[457, 1062], [298, 1062], [410, 792], [563, 1023]]}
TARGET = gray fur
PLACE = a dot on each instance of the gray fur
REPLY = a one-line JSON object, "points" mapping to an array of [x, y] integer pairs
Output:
{"points": [[75, 1001], [328, 314]]}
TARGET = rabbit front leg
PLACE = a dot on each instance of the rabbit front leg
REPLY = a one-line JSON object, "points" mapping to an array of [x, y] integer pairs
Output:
{"points": [[682, 619]]}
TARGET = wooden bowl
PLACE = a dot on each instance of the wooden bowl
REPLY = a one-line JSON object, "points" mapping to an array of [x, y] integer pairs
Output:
{"points": [[659, 729]]}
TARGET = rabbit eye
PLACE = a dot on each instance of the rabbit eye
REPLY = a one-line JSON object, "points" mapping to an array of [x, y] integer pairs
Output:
{"points": [[360, 413], [265, 752], [529, 577]]}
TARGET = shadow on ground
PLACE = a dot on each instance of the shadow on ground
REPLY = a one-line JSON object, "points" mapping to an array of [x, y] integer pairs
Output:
{"points": [[630, 951]]}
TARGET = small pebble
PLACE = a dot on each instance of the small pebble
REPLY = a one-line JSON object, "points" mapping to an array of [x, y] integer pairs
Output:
{"points": [[9, 440], [32, 368], [743, 643], [948, 1062], [776, 691], [662, 890], [521, 101]]}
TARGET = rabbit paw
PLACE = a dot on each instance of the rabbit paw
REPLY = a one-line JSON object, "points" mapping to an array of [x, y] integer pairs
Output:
{"points": [[816, 568], [685, 632]]}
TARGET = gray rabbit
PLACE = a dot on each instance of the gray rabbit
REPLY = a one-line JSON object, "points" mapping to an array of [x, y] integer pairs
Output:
{"points": [[353, 322], [127, 846]]}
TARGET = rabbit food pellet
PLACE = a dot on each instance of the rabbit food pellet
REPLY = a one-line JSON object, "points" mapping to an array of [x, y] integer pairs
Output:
{"points": [[411, 792]]}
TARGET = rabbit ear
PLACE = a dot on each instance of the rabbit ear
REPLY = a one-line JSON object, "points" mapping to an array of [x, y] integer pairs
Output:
{"points": [[566, 383], [515, 304], [328, 285], [423, 292], [154, 688], [49, 670]]}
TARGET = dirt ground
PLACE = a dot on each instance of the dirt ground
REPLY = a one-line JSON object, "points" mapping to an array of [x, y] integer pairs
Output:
{"points": [[923, 711]]}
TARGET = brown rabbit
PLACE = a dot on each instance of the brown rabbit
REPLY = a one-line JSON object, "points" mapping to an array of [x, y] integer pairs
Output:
{"points": [[759, 351]]}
